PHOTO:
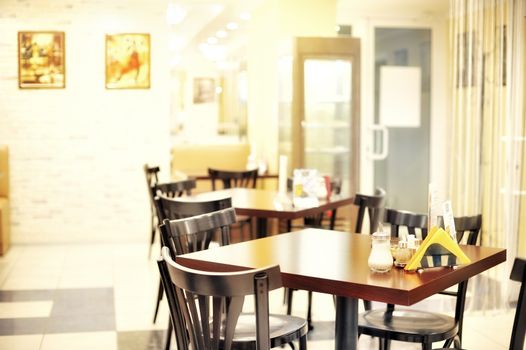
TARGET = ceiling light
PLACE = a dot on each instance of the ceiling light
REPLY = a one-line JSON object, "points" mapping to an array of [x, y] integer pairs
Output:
{"points": [[221, 34], [245, 16], [232, 26], [175, 14], [212, 40]]}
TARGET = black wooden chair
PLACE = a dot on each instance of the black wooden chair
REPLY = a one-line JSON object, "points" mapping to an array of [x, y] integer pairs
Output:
{"points": [[170, 190], [193, 294], [171, 208], [411, 325], [518, 332], [233, 179], [152, 178]]}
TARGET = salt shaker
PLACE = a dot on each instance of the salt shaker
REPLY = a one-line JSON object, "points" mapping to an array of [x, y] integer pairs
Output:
{"points": [[380, 258]]}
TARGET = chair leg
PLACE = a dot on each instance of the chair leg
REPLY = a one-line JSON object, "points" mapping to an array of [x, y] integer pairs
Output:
{"points": [[309, 312], [159, 298], [457, 341], [169, 332], [289, 300], [427, 346], [303, 343], [384, 343]]}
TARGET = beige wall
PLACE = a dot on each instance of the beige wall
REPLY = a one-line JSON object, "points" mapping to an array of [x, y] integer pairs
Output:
{"points": [[272, 26], [77, 153]]}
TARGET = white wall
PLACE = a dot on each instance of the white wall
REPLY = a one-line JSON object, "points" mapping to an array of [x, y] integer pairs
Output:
{"points": [[77, 153]]}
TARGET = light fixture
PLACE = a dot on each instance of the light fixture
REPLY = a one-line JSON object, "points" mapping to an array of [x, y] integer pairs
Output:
{"points": [[221, 34], [219, 90], [245, 16], [175, 14], [232, 26], [212, 40]]}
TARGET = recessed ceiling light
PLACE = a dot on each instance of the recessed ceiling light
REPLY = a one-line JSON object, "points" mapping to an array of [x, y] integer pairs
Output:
{"points": [[232, 26], [212, 40], [245, 16], [175, 14], [221, 34]]}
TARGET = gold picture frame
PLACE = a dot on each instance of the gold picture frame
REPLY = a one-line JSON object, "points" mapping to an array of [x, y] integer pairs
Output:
{"points": [[41, 60], [204, 90], [128, 61]]}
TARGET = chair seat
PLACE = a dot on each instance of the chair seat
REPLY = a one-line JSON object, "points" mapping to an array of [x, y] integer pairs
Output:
{"points": [[407, 325], [283, 329]]}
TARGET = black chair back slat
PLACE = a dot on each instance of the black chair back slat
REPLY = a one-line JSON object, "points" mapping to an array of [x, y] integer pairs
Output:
{"points": [[232, 179], [174, 189], [374, 205]]}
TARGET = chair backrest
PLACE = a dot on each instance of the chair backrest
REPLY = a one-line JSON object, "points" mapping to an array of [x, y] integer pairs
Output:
{"points": [[196, 297], [173, 209], [174, 189], [152, 175], [178, 208], [170, 190], [412, 221], [467, 227], [152, 178], [231, 179], [374, 205], [518, 273]]}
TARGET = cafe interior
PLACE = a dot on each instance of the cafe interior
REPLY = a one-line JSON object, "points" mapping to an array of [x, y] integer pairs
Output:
{"points": [[251, 174]]}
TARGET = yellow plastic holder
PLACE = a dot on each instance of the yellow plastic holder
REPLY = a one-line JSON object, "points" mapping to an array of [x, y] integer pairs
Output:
{"points": [[438, 249]]}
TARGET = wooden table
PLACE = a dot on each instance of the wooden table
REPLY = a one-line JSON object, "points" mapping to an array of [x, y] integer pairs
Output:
{"points": [[265, 204], [336, 263]]}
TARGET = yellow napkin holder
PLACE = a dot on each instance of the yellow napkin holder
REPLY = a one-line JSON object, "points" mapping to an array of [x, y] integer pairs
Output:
{"points": [[438, 249]]}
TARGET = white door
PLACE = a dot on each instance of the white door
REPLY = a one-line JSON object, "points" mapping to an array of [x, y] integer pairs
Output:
{"points": [[403, 116]]}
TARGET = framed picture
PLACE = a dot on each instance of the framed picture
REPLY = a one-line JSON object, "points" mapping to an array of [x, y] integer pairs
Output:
{"points": [[41, 60], [128, 61], [204, 90]]}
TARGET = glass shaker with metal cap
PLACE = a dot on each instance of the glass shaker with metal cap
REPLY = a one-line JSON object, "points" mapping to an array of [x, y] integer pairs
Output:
{"points": [[380, 258]]}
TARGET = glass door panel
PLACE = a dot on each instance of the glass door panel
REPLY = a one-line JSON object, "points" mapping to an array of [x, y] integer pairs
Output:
{"points": [[404, 173], [327, 117]]}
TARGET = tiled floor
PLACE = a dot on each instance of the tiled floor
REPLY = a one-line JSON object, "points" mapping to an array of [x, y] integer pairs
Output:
{"points": [[102, 296]]}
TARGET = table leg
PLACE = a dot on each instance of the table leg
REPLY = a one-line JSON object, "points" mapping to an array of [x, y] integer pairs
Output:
{"points": [[346, 325], [261, 227]]}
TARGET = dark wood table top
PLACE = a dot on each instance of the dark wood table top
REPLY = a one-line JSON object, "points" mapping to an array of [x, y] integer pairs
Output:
{"points": [[336, 263], [268, 203]]}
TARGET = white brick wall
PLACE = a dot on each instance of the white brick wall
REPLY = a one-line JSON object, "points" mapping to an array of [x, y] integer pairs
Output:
{"points": [[76, 154]]}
